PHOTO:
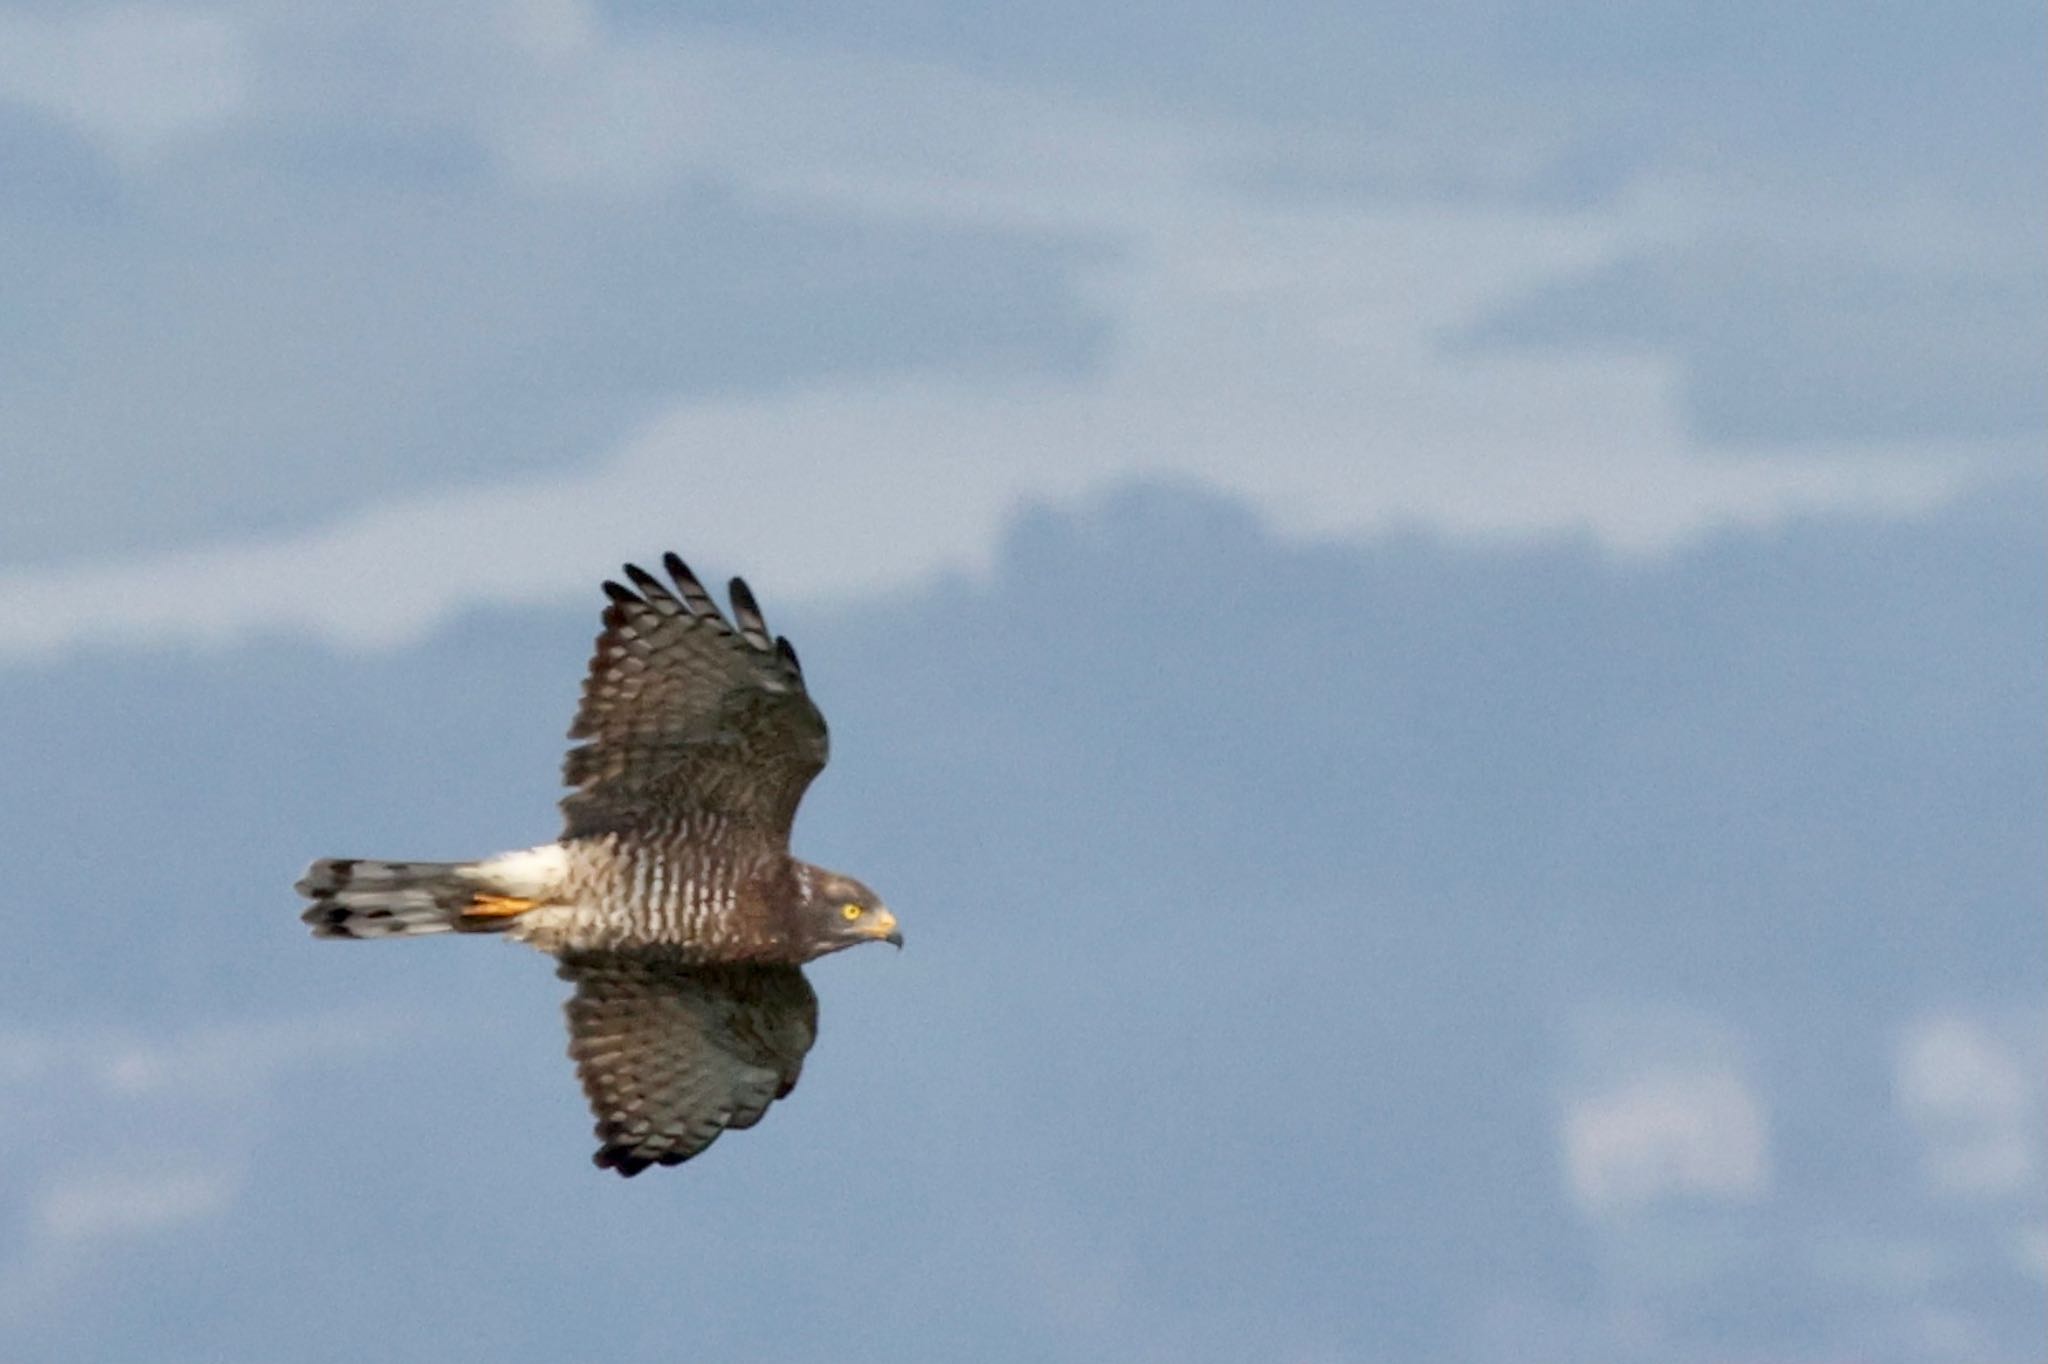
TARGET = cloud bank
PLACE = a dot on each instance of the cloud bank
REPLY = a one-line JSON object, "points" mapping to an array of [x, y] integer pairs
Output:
{"points": [[1311, 354]]}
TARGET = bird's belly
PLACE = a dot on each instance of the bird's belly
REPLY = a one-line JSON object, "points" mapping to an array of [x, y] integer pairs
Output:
{"points": [[619, 896]]}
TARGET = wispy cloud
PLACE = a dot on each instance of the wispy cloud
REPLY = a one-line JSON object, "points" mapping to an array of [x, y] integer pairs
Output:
{"points": [[81, 1215], [131, 78], [840, 493], [99, 1206], [1291, 353], [1973, 1091], [173, 1119], [1674, 1134], [1660, 1107]]}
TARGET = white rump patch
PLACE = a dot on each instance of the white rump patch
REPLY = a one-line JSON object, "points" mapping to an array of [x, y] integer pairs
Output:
{"points": [[530, 873]]}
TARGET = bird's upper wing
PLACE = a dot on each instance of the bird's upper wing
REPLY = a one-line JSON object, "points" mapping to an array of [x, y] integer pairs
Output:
{"points": [[685, 712], [671, 1055]]}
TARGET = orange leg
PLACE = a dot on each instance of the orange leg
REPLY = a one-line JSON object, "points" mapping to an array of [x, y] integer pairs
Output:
{"points": [[497, 907]]}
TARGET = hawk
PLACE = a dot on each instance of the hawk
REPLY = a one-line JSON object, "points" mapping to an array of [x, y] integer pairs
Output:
{"points": [[671, 899]]}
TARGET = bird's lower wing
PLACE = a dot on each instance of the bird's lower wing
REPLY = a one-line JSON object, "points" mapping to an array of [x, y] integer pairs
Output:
{"points": [[671, 1055]]}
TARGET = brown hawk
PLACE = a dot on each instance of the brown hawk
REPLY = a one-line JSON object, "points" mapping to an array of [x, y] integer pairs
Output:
{"points": [[671, 899]]}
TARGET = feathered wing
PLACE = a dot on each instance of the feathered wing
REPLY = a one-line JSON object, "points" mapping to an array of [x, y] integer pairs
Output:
{"points": [[685, 712], [671, 1055]]}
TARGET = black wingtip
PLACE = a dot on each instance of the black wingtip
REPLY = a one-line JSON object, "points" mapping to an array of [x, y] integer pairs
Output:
{"points": [[624, 596], [651, 587], [747, 615], [628, 1161], [695, 599], [618, 1159]]}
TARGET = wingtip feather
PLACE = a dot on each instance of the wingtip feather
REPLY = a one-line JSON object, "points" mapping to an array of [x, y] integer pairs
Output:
{"points": [[695, 599], [747, 614], [652, 589]]}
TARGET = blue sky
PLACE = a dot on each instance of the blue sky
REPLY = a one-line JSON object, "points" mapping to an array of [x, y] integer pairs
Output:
{"points": [[1432, 618]]}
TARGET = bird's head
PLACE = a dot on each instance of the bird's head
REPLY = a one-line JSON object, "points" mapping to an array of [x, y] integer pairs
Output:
{"points": [[840, 912]]}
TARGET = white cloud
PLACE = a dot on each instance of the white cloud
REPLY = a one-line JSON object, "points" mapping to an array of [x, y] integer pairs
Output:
{"points": [[1290, 360], [79, 1215], [843, 492], [574, 110], [132, 78], [103, 1206], [1290, 355], [173, 1119], [1976, 1098], [208, 1059], [1666, 1134]]}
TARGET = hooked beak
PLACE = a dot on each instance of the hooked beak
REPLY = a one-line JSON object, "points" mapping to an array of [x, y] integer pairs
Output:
{"points": [[884, 928]]}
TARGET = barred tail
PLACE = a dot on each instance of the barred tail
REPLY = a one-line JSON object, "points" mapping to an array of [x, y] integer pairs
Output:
{"points": [[360, 898]]}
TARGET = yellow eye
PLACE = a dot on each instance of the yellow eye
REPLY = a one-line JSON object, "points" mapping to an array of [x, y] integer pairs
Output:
{"points": [[850, 912]]}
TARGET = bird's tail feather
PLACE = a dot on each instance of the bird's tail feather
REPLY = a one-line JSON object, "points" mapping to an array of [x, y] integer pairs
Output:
{"points": [[360, 898]]}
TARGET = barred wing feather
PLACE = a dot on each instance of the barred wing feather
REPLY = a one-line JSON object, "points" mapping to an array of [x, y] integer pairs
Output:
{"points": [[687, 713], [672, 1055]]}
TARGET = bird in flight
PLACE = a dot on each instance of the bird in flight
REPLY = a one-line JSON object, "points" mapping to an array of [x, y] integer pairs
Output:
{"points": [[671, 900]]}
